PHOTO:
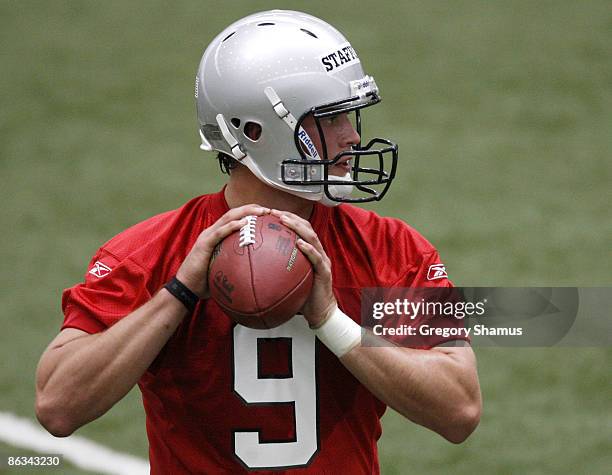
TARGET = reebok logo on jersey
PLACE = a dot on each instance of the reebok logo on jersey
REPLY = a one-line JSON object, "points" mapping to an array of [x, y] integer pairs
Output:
{"points": [[437, 271], [99, 269]]}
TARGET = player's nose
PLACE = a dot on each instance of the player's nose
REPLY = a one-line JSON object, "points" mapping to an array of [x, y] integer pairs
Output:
{"points": [[349, 135]]}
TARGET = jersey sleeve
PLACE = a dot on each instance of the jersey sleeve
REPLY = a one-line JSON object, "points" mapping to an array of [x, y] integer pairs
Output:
{"points": [[429, 282], [431, 272], [112, 289]]}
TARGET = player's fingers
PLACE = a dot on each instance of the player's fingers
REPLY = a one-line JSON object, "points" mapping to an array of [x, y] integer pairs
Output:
{"points": [[242, 211], [290, 215], [223, 231], [279, 213], [194, 269], [303, 229], [213, 235], [319, 262], [296, 223]]}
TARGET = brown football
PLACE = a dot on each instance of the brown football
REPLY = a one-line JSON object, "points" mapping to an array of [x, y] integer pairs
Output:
{"points": [[258, 276]]}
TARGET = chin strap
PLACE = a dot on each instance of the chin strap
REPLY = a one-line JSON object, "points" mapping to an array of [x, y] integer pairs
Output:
{"points": [[235, 146], [281, 111]]}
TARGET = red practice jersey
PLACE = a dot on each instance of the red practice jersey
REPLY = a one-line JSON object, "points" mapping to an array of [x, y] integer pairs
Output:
{"points": [[223, 398]]}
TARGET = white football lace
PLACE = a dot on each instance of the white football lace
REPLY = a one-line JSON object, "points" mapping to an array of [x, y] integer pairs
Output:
{"points": [[247, 232]]}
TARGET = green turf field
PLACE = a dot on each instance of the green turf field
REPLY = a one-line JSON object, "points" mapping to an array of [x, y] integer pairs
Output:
{"points": [[503, 114]]}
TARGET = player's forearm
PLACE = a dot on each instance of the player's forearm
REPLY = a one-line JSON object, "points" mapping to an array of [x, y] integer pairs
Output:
{"points": [[83, 378], [433, 388]]}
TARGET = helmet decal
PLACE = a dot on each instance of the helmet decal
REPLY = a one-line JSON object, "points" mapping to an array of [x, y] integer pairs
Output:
{"points": [[309, 146], [342, 57]]}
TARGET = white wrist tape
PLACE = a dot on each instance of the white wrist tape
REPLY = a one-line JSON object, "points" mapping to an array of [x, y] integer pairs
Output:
{"points": [[339, 333]]}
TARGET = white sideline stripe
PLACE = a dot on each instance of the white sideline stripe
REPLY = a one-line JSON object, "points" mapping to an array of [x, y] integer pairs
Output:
{"points": [[81, 452]]}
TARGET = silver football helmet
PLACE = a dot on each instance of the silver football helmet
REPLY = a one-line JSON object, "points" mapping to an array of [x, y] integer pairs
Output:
{"points": [[273, 69]]}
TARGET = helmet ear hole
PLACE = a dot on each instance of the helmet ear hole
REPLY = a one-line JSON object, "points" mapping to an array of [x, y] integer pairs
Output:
{"points": [[252, 130], [235, 122]]}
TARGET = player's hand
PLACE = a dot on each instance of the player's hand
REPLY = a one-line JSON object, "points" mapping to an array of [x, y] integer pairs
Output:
{"points": [[194, 269], [321, 301]]}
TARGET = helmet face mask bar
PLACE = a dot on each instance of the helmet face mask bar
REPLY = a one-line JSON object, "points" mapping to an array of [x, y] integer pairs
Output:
{"points": [[298, 172]]}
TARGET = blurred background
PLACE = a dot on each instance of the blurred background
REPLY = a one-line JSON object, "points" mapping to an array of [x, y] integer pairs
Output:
{"points": [[503, 114]]}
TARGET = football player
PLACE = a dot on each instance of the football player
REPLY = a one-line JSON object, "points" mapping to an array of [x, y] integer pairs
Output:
{"points": [[279, 97]]}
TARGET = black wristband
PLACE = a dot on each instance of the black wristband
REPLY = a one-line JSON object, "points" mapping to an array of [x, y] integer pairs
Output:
{"points": [[182, 293]]}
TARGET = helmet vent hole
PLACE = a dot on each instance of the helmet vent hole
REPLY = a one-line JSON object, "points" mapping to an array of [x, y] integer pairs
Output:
{"points": [[309, 33], [265, 24], [235, 122], [228, 36], [252, 130]]}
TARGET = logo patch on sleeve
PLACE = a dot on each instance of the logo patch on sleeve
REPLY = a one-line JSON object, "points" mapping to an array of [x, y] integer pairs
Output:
{"points": [[99, 269], [437, 271]]}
